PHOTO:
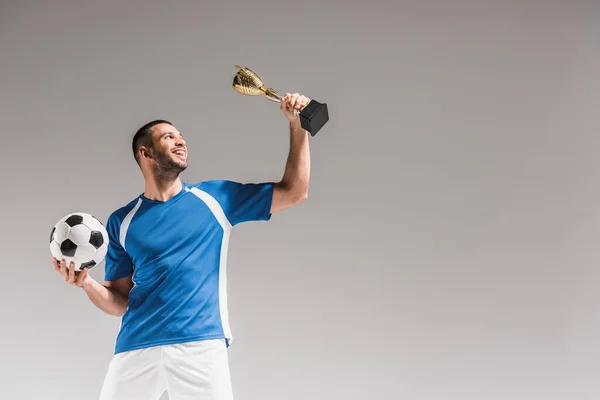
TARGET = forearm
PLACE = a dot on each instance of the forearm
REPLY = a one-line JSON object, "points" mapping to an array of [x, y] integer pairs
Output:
{"points": [[297, 169], [105, 298]]}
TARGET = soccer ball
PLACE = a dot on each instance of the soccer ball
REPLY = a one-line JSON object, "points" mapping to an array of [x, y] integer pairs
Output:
{"points": [[80, 238]]}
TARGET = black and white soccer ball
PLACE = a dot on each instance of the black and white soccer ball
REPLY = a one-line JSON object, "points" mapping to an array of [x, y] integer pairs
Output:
{"points": [[80, 238]]}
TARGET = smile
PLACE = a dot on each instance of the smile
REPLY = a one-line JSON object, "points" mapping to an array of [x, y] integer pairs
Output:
{"points": [[180, 153]]}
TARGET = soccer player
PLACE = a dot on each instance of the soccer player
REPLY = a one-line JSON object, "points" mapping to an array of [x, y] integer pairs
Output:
{"points": [[165, 268]]}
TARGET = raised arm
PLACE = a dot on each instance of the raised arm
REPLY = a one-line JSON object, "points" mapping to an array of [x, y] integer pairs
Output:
{"points": [[293, 187]]}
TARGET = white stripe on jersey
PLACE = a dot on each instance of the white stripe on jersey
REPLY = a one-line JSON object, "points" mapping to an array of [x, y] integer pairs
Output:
{"points": [[219, 214], [126, 222]]}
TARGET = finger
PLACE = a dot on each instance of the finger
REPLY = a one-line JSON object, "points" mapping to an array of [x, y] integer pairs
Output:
{"points": [[81, 277], [63, 269], [293, 100], [284, 101], [299, 102], [288, 101], [72, 272], [55, 264]]}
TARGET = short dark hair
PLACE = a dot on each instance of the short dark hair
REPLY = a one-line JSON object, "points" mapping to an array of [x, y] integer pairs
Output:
{"points": [[143, 137]]}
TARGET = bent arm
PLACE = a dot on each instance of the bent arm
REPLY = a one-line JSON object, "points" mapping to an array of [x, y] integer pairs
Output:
{"points": [[293, 187], [112, 297]]}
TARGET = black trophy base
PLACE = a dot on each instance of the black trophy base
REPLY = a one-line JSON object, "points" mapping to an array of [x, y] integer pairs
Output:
{"points": [[314, 116]]}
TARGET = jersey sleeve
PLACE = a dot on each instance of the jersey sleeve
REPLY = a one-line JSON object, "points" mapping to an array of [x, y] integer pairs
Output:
{"points": [[242, 202], [117, 262]]}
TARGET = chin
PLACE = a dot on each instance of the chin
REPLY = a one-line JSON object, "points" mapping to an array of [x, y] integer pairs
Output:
{"points": [[178, 161]]}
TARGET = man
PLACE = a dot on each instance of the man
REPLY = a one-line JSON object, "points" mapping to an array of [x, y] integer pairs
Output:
{"points": [[165, 266]]}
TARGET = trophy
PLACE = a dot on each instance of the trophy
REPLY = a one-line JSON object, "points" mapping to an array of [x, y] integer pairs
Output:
{"points": [[312, 116]]}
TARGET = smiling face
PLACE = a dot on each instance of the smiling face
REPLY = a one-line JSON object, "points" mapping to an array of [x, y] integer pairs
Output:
{"points": [[168, 152]]}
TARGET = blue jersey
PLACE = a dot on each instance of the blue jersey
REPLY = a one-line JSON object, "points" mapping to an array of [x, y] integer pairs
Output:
{"points": [[176, 253]]}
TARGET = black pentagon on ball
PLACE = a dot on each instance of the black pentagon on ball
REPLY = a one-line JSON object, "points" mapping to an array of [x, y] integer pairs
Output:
{"points": [[88, 264], [74, 219], [96, 239], [52, 234], [68, 248]]}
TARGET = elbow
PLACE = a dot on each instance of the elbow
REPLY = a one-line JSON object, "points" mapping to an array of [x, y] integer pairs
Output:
{"points": [[116, 313], [294, 194], [298, 193], [301, 196], [119, 312]]}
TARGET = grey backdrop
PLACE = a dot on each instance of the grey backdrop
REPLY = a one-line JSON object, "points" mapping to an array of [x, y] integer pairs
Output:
{"points": [[448, 248]]}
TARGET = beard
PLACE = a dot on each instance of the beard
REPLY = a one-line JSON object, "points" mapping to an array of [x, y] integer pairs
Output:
{"points": [[166, 167]]}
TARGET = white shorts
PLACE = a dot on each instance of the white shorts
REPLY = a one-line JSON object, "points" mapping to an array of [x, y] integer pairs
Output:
{"points": [[188, 371]]}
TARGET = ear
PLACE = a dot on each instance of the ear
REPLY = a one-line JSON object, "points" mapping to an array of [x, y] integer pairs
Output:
{"points": [[145, 152]]}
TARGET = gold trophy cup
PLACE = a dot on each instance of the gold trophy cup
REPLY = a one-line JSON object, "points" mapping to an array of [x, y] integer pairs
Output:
{"points": [[312, 116]]}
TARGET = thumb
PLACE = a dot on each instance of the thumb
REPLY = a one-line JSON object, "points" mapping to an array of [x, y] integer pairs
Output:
{"points": [[82, 275]]}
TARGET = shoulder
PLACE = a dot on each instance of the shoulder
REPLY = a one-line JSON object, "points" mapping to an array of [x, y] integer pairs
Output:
{"points": [[117, 216], [217, 184], [217, 187], [229, 189]]}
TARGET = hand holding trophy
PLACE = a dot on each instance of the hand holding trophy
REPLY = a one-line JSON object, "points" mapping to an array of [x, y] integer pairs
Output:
{"points": [[312, 116]]}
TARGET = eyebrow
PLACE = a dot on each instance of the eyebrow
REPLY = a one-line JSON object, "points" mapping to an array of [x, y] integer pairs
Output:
{"points": [[169, 133]]}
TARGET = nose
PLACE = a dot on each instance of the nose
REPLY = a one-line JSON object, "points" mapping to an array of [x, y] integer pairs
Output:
{"points": [[180, 142]]}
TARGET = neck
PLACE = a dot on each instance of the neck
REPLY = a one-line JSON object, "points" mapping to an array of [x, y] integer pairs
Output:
{"points": [[162, 189]]}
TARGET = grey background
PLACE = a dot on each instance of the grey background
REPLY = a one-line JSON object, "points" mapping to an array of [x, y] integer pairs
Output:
{"points": [[448, 248]]}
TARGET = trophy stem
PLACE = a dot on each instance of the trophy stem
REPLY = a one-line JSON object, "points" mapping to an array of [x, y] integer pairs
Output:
{"points": [[274, 96], [271, 94]]}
